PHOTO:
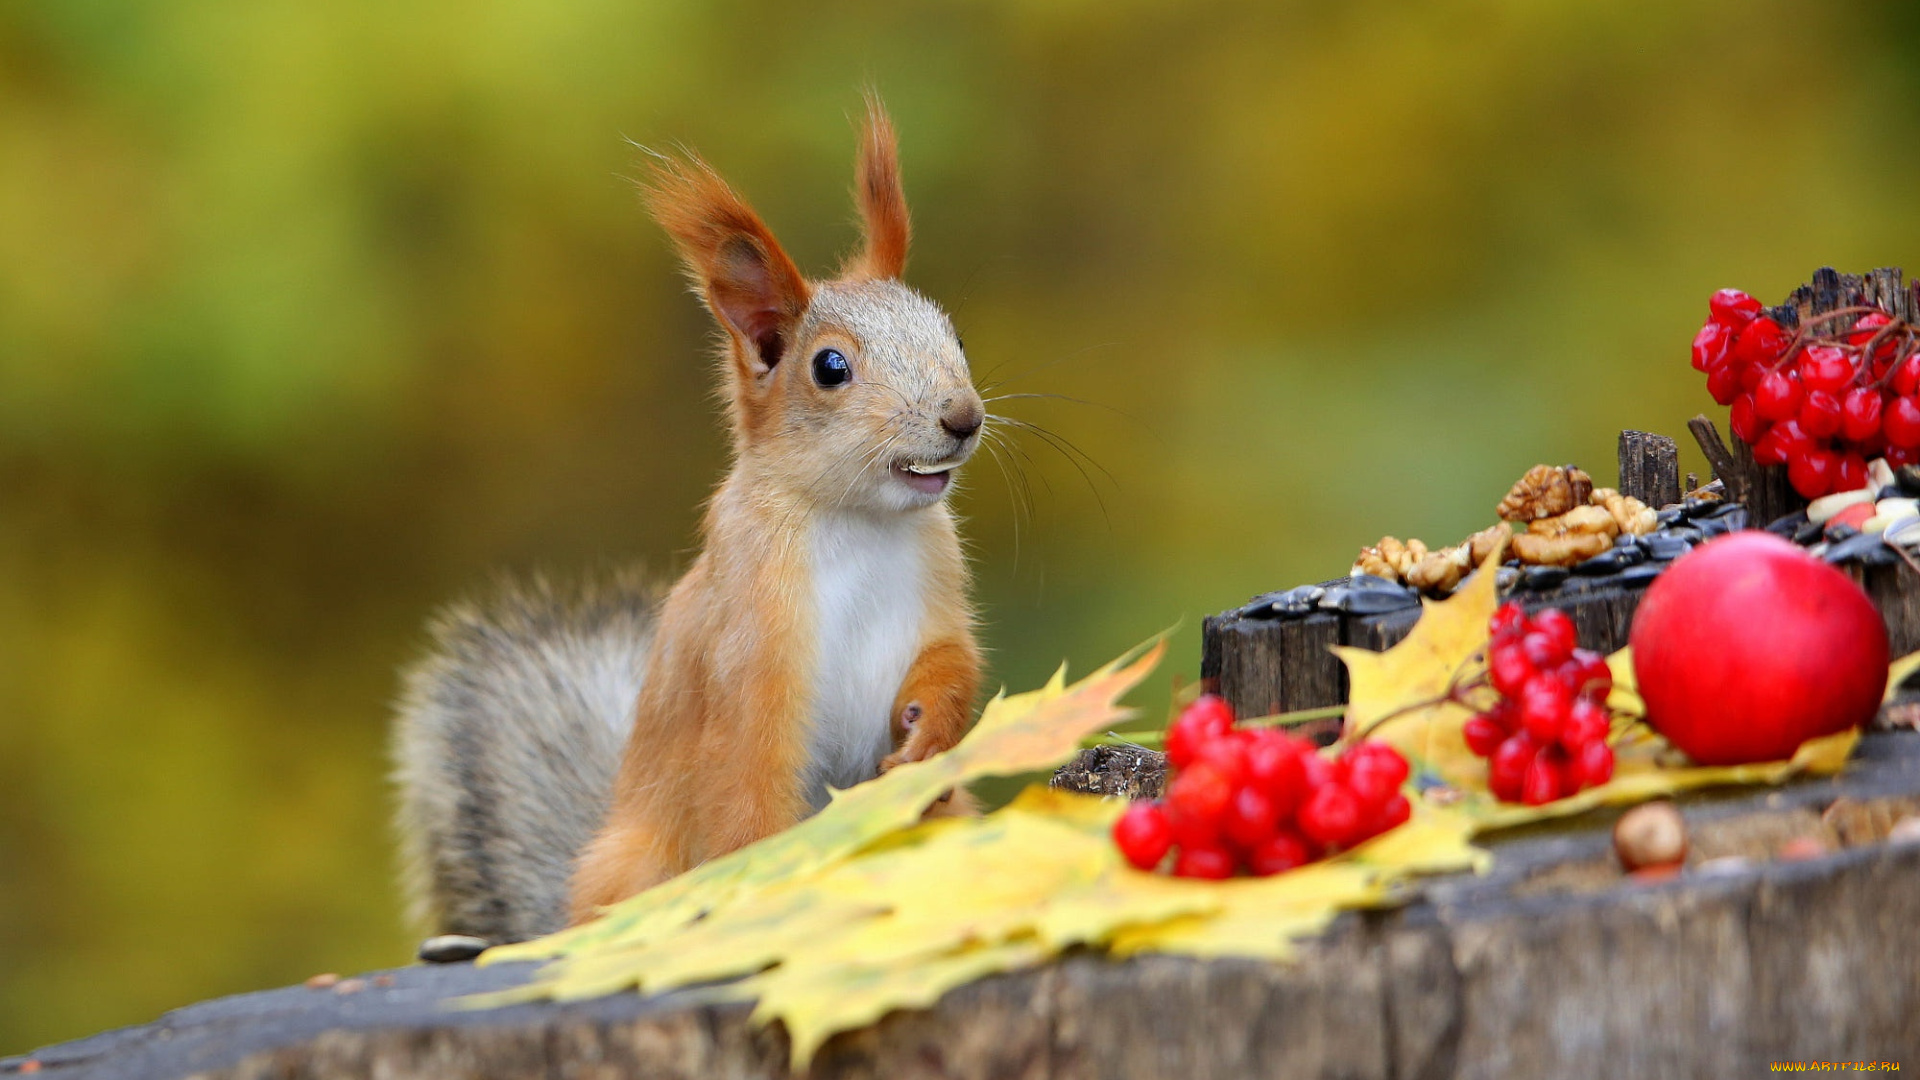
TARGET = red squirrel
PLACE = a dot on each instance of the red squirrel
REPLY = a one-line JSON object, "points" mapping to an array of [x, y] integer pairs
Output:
{"points": [[823, 634]]}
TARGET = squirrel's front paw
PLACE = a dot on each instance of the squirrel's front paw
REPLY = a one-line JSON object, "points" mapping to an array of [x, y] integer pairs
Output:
{"points": [[917, 742]]}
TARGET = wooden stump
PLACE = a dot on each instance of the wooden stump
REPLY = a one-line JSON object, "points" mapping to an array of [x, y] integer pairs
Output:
{"points": [[1649, 468], [1552, 964]]}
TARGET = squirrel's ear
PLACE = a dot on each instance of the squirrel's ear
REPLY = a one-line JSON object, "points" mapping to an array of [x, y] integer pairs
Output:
{"points": [[883, 205], [750, 284]]}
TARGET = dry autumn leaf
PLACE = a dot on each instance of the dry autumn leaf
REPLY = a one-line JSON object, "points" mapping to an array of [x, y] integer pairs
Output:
{"points": [[1035, 730], [1399, 696]]}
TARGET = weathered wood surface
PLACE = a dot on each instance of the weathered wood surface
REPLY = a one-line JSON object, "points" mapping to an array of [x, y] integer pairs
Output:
{"points": [[1649, 468], [1552, 965]]}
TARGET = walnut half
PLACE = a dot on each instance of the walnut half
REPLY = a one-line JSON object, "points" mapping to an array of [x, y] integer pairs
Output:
{"points": [[1441, 570], [1565, 539], [1545, 491], [1632, 515], [1563, 549]]}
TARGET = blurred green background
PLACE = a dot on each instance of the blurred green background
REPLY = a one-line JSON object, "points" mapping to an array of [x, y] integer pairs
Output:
{"points": [[313, 315]]}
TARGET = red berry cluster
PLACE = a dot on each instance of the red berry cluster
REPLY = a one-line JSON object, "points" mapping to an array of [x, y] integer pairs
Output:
{"points": [[1822, 400], [1547, 736], [1259, 800]]}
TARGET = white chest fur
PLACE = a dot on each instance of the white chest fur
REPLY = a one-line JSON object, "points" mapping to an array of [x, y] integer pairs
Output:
{"points": [[868, 607]]}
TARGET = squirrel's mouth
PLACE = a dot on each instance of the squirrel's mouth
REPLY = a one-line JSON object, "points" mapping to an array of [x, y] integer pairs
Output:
{"points": [[929, 479]]}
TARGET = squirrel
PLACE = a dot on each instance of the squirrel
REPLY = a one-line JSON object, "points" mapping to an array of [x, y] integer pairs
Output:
{"points": [[823, 634]]}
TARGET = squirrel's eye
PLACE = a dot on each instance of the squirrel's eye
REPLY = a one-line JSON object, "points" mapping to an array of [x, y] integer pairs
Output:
{"points": [[830, 368]]}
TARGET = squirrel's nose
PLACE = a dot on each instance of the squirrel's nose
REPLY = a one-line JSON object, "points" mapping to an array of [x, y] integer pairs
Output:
{"points": [[963, 419]]}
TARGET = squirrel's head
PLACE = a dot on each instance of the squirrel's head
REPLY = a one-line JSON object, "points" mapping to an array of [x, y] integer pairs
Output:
{"points": [[848, 393]]}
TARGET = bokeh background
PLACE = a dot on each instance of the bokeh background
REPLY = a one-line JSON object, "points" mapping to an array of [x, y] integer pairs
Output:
{"points": [[314, 315]]}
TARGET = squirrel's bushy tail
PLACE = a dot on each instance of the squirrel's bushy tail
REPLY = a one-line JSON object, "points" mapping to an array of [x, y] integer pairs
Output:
{"points": [[506, 744]]}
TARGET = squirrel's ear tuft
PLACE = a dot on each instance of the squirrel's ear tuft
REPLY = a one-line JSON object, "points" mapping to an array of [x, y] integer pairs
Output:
{"points": [[750, 284], [882, 202]]}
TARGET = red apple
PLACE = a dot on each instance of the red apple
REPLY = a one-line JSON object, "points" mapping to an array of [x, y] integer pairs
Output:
{"points": [[1748, 646]]}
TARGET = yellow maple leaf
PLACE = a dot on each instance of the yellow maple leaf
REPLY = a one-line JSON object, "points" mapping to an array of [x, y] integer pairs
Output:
{"points": [[1039, 729], [1624, 698], [816, 1002], [1640, 774], [1899, 672], [1399, 696]]}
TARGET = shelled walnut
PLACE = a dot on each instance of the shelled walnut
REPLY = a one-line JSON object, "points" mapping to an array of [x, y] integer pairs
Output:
{"points": [[1441, 570], [1580, 519], [1562, 549], [1565, 539], [1390, 558], [1632, 515], [1492, 541], [1545, 491]]}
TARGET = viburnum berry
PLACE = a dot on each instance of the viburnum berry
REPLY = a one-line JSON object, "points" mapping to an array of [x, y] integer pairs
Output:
{"points": [[1711, 344], [1820, 414], [1593, 764], [1901, 422], [1144, 834], [1586, 723], [1275, 766], [1190, 831], [1545, 703], [1813, 472], [1483, 735], [1375, 773], [1396, 811], [1732, 308], [1508, 667], [1906, 376], [1745, 422], [1561, 637], [1278, 853], [1226, 754], [1509, 621], [1330, 816], [1543, 780], [1778, 396], [1250, 818], [1593, 679], [1200, 793], [1867, 327], [1852, 475], [1859, 414], [1258, 801], [1771, 448], [1197, 725], [1724, 383], [1534, 734], [1824, 367], [1507, 768], [1762, 342], [1204, 862]]}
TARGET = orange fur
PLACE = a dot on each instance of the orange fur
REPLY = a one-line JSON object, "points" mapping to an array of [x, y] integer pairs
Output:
{"points": [[882, 201], [726, 744]]}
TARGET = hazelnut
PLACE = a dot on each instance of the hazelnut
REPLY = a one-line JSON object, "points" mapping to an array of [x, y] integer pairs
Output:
{"points": [[1650, 835]]}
